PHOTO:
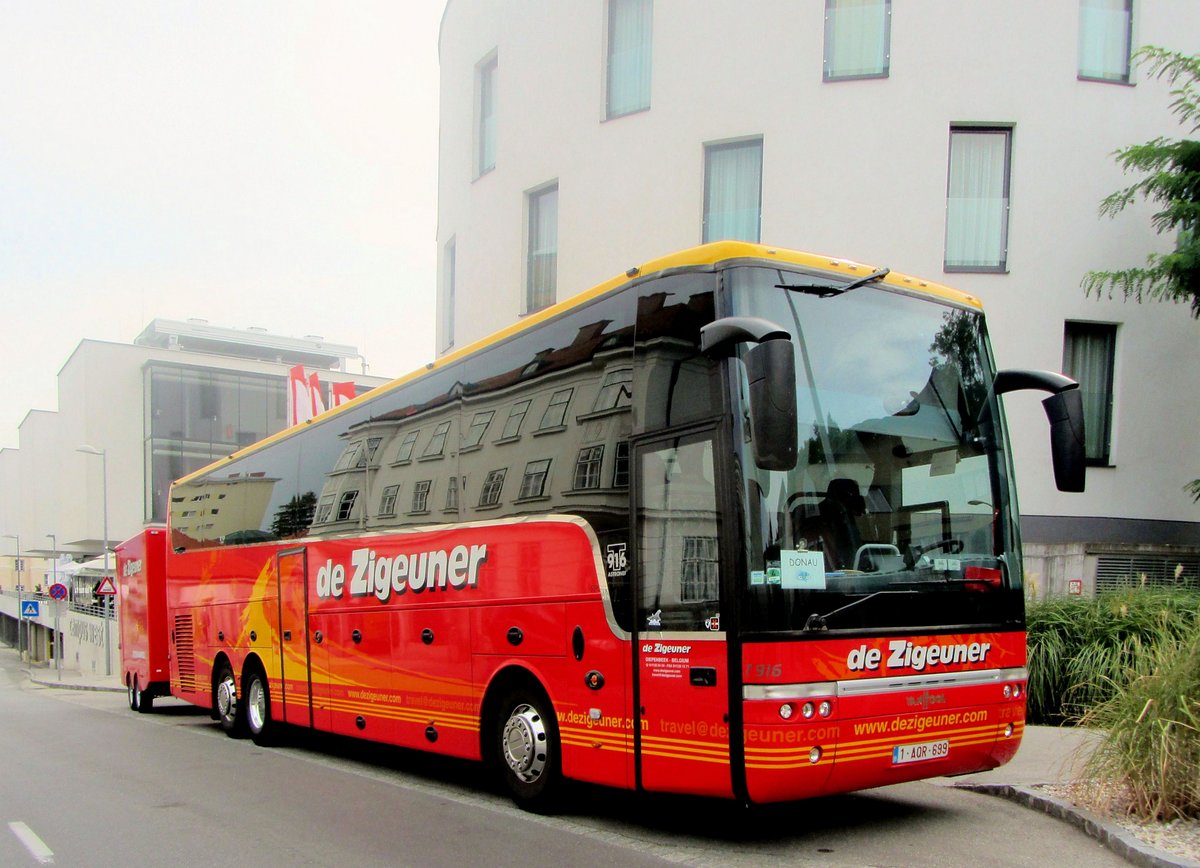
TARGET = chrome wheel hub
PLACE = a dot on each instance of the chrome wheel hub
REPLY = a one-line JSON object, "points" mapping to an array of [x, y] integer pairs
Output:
{"points": [[524, 743]]}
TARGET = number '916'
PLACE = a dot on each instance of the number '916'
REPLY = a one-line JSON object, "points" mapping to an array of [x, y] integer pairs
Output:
{"points": [[763, 670]]}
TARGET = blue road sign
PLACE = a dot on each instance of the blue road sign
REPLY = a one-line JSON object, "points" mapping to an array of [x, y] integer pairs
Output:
{"points": [[30, 608]]}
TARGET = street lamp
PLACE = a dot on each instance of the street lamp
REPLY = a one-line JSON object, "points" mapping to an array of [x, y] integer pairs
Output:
{"points": [[20, 595], [103, 453], [58, 642]]}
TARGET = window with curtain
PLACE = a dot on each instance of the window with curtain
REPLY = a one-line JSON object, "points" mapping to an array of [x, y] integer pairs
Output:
{"points": [[1105, 39], [628, 73], [541, 267], [977, 199], [486, 145], [858, 37], [733, 191], [1089, 354]]}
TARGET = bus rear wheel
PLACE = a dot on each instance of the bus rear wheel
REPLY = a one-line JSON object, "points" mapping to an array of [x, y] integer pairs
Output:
{"points": [[226, 701], [131, 689], [258, 708], [527, 748]]}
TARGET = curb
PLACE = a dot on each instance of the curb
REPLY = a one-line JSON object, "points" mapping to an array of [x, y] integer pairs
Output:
{"points": [[63, 685], [1116, 838]]}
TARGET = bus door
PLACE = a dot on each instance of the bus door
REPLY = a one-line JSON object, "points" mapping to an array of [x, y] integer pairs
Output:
{"points": [[682, 699], [295, 674]]}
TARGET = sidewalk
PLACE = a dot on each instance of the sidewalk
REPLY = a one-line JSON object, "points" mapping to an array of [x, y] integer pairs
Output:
{"points": [[1055, 755]]}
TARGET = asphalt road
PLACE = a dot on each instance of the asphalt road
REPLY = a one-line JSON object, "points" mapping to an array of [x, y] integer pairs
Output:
{"points": [[85, 781]]}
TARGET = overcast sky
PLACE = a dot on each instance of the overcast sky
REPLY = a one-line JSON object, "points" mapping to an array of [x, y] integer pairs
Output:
{"points": [[269, 163]]}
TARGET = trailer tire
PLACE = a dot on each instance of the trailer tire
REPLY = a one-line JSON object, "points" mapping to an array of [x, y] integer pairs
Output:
{"points": [[527, 749], [226, 701], [145, 701], [131, 689]]}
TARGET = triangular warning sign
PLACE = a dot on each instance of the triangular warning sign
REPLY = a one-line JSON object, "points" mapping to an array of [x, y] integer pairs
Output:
{"points": [[106, 588]]}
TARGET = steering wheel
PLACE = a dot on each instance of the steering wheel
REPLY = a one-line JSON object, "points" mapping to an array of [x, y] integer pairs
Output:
{"points": [[950, 544]]}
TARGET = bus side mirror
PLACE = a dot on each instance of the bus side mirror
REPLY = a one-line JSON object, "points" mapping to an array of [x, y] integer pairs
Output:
{"points": [[1064, 410], [771, 373]]}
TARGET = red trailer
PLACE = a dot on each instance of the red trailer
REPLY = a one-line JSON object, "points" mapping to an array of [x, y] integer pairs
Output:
{"points": [[141, 581]]}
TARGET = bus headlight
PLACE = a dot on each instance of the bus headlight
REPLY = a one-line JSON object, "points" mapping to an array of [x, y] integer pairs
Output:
{"points": [[786, 711], [807, 710], [825, 708], [814, 755]]}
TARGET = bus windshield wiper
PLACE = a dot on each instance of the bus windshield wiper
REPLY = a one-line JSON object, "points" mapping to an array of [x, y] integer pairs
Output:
{"points": [[828, 291], [820, 622]]}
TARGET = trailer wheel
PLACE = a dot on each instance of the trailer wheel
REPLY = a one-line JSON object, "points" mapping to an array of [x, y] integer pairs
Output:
{"points": [[145, 701], [258, 708], [225, 701], [527, 748], [132, 691]]}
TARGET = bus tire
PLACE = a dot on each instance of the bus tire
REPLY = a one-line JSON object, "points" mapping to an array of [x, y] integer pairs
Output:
{"points": [[527, 748], [131, 689], [257, 701], [226, 701]]}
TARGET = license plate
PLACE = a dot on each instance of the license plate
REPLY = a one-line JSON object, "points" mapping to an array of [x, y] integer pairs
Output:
{"points": [[915, 753]]}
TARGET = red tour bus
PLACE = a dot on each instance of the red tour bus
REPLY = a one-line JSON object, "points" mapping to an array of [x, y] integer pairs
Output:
{"points": [[738, 523]]}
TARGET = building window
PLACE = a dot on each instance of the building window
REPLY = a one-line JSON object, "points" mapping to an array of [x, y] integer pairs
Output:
{"points": [[1105, 39], [587, 467], [616, 391], [448, 298], [698, 582], [437, 443], [556, 412], [452, 494], [541, 261], [621, 465], [485, 122], [346, 505], [857, 39], [629, 27], [324, 509], [367, 454], [733, 191], [479, 426], [405, 450], [533, 483], [420, 499], [489, 495], [977, 199], [387, 503], [512, 427], [1089, 356]]}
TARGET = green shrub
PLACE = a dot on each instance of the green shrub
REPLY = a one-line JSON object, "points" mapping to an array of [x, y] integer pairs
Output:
{"points": [[1148, 762], [1082, 649]]}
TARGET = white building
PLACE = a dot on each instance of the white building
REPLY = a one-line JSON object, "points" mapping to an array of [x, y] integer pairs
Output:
{"points": [[181, 396], [962, 140]]}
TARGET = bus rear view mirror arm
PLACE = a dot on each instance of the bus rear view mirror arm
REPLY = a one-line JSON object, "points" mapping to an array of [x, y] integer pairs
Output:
{"points": [[771, 374], [1064, 409]]}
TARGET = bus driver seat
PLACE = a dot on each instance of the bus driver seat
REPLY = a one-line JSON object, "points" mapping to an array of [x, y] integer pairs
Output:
{"points": [[839, 513]]}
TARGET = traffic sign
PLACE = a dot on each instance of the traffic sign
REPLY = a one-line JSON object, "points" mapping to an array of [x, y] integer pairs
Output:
{"points": [[30, 608], [106, 588], [58, 591]]}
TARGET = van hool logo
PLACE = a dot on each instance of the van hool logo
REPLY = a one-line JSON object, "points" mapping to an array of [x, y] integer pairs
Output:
{"points": [[384, 575]]}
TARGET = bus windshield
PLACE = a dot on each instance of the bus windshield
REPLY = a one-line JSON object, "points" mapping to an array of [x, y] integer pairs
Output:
{"points": [[898, 513]]}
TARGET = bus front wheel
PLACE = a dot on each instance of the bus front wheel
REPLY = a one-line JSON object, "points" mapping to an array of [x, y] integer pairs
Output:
{"points": [[527, 747]]}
